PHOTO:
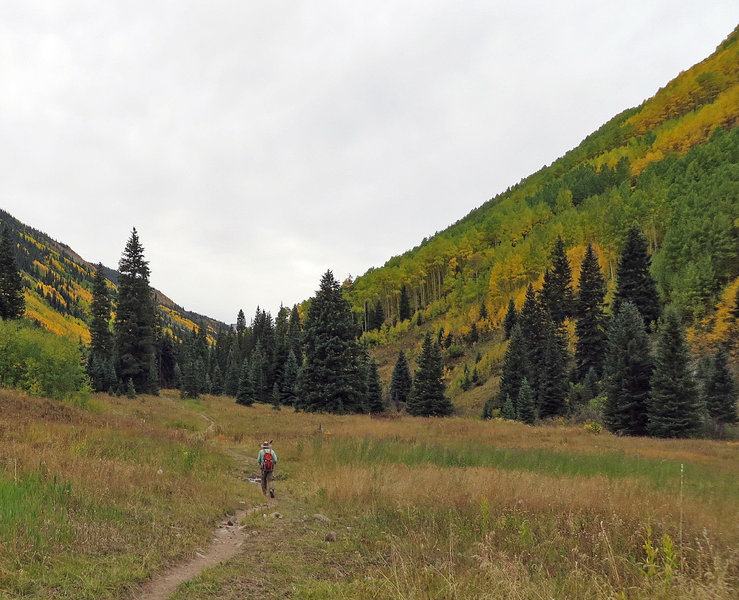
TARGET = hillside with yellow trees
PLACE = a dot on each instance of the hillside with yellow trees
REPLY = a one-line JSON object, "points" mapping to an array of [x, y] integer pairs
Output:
{"points": [[669, 166]]}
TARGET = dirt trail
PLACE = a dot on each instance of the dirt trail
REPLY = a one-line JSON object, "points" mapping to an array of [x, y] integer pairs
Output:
{"points": [[227, 541]]}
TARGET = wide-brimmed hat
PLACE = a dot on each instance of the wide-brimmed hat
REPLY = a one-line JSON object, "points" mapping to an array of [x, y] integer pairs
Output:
{"points": [[266, 445]]}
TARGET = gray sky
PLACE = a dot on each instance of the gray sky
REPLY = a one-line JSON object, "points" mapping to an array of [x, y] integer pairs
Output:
{"points": [[256, 144]]}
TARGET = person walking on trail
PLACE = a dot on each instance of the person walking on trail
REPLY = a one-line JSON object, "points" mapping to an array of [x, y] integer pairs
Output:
{"points": [[267, 462]]}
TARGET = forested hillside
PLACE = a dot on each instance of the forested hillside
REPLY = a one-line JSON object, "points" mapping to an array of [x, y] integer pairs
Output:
{"points": [[58, 287], [670, 166]]}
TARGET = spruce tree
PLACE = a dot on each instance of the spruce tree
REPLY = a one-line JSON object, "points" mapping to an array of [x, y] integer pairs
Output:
{"points": [[719, 391], [590, 346], [374, 389], [12, 301], [259, 374], [533, 321], [553, 375], [634, 282], [404, 305], [508, 412], [217, 382], [294, 334], [245, 394], [135, 318], [627, 371], [509, 322], [525, 407], [401, 382], [289, 380], [330, 379], [515, 368], [101, 339], [483, 314], [556, 294], [674, 406], [378, 316], [427, 396], [231, 380]]}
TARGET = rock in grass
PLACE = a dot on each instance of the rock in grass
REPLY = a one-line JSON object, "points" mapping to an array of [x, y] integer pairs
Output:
{"points": [[331, 536], [320, 517], [275, 515]]}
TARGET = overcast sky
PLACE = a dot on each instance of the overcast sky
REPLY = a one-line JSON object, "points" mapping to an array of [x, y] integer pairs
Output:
{"points": [[256, 144]]}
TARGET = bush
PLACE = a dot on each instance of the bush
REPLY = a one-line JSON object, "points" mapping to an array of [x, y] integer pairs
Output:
{"points": [[455, 351], [39, 362]]}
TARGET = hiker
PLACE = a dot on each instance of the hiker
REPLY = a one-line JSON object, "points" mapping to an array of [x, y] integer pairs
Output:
{"points": [[267, 461]]}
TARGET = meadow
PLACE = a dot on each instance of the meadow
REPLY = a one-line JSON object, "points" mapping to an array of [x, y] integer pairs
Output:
{"points": [[100, 495]]}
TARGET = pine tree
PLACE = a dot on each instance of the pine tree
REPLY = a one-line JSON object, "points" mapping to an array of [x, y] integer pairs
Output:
{"points": [[231, 381], [509, 322], [556, 294], [378, 316], [374, 389], [525, 408], [245, 394], [294, 334], [330, 379], [12, 301], [553, 375], [483, 314], [101, 339], [275, 397], [218, 382], [515, 368], [466, 381], [289, 380], [473, 335], [401, 382], [719, 391], [135, 318], [533, 321], [404, 305], [259, 374], [508, 412], [674, 406], [427, 396], [627, 370], [590, 346], [634, 282]]}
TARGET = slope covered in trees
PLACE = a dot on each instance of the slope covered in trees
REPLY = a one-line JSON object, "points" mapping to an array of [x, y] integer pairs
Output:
{"points": [[670, 167]]}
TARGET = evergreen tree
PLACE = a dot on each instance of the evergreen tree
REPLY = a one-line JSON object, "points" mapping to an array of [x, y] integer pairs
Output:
{"points": [[401, 382], [483, 314], [190, 381], [526, 410], [374, 389], [719, 392], [378, 316], [135, 318], [553, 376], [509, 322], [178, 381], [290, 380], [101, 340], [533, 321], [473, 336], [294, 335], [330, 379], [427, 396], [245, 394], [404, 306], [231, 381], [259, 374], [240, 323], [626, 373], [634, 282], [167, 361], [674, 407], [508, 412], [275, 397], [556, 294], [590, 346], [218, 382], [466, 381], [12, 301], [515, 367]]}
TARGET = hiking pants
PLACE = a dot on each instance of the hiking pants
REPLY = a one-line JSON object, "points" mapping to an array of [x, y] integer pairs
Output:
{"points": [[267, 482]]}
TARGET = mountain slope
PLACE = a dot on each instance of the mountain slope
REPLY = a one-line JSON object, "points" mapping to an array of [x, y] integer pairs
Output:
{"points": [[669, 165], [59, 286]]}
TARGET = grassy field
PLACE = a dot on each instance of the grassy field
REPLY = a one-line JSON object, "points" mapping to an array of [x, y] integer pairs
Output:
{"points": [[96, 499]]}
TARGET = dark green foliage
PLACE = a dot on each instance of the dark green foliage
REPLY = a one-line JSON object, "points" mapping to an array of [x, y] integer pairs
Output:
{"points": [[330, 379], [719, 392], [231, 380], [178, 379], [515, 368], [556, 294], [626, 373], [553, 375], [674, 405], [483, 314], [240, 322], [101, 339], [135, 319], [374, 389], [590, 346], [404, 305], [427, 397], [590, 384], [12, 302], [466, 380], [401, 382], [377, 316], [533, 321], [259, 374], [130, 388], [511, 317], [191, 383], [525, 404], [508, 411], [217, 384], [275, 397], [289, 389], [634, 282], [472, 336], [246, 390], [294, 334]]}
